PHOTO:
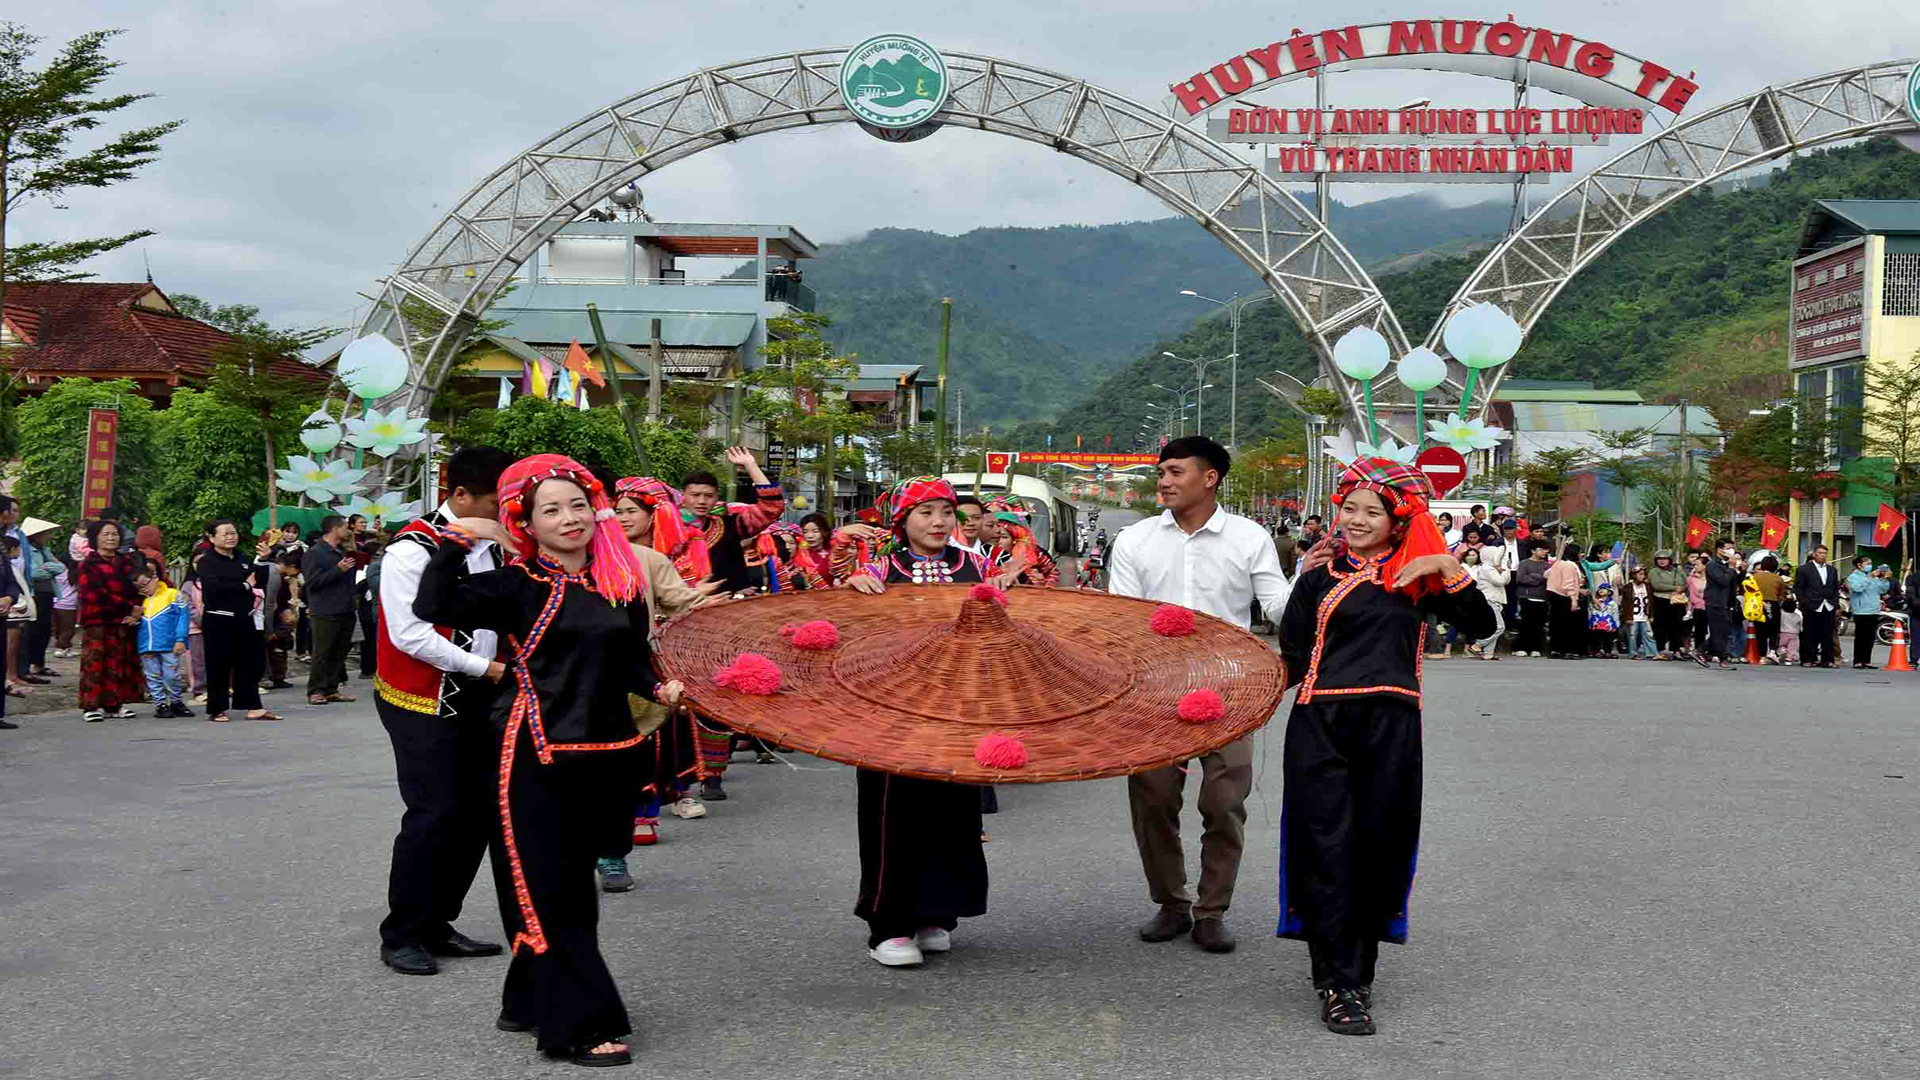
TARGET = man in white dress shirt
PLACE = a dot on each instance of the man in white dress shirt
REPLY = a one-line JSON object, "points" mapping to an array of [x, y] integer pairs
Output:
{"points": [[972, 514], [434, 691], [1196, 555]]}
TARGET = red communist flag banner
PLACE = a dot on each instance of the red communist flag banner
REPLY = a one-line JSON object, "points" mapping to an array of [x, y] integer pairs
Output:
{"points": [[1698, 531], [582, 366], [1773, 531], [1887, 525]]}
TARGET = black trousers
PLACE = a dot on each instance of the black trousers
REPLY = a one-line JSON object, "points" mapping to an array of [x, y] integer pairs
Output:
{"points": [[1719, 630], [1665, 616], [1349, 832], [236, 655], [446, 772], [1569, 626], [33, 645], [1865, 636], [369, 655], [565, 816], [1533, 627], [332, 635], [1816, 637]]}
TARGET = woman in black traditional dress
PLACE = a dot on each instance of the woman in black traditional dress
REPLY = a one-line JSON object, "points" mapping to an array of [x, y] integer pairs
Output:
{"points": [[922, 868], [570, 609], [1352, 637]]}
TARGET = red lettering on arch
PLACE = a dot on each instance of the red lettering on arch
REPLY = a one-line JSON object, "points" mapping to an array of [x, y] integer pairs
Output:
{"points": [[1301, 49], [1268, 58], [1677, 95], [1594, 59], [1505, 39], [1406, 37], [1549, 49], [1233, 77], [1342, 44], [1651, 75], [1196, 94], [1457, 36]]}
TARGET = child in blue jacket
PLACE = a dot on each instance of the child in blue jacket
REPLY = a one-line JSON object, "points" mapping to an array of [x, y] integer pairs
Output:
{"points": [[162, 641]]}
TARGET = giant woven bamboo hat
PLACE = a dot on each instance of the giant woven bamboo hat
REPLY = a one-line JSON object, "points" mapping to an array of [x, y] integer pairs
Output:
{"points": [[933, 680]]}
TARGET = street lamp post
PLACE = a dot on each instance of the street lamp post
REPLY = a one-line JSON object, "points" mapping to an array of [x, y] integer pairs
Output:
{"points": [[1234, 305], [1200, 374], [1197, 391]]}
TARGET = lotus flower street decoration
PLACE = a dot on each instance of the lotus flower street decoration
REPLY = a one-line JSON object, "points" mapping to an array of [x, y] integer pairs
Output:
{"points": [[1481, 336], [1341, 447], [1390, 449], [383, 433], [320, 432], [1465, 435], [320, 480], [1346, 449], [1362, 354], [373, 367], [1420, 371], [381, 509]]}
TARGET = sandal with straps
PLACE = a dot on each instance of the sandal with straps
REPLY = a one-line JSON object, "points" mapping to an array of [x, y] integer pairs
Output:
{"points": [[1345, 1012]]}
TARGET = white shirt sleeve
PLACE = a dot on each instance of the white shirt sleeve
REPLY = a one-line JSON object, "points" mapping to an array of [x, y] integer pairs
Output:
{"points": [[399, 584], [1270, 584], [1123, 578]]}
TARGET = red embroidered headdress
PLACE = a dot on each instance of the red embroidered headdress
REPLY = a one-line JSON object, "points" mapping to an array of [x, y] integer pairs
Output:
{"points": [[669, 532], [1407, 493], [616, 571]]}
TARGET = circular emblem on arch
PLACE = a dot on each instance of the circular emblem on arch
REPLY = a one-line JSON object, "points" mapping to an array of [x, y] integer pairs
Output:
{"points": [[1913, 94], [893, 81]]}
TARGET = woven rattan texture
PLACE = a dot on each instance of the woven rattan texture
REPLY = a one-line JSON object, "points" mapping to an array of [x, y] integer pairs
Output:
{"points": [[922, 672]]}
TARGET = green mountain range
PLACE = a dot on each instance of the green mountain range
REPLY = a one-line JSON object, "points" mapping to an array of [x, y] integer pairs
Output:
{"points": [[902, 78], [1043, 316]]}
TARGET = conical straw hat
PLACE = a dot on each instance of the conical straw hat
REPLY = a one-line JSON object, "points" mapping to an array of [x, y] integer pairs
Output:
{"points": [[921, 674]]}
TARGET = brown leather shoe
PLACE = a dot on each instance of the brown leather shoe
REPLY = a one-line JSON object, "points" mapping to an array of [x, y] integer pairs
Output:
{"points": [[1168, 923], [341, 697], [1211, 935]]}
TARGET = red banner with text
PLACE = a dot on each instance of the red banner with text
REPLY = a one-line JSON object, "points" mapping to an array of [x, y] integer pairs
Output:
{"points": [[103, 441]]}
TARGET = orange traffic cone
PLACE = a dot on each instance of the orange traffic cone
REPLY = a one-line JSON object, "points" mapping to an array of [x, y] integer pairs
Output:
{"points": [[1897, 658], [1753, 646]]}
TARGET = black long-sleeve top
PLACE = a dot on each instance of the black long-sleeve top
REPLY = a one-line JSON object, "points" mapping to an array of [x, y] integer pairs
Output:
{"points": [[1344, 634], [329, 589], [588, 654], [1723, 584], [227, 582]]}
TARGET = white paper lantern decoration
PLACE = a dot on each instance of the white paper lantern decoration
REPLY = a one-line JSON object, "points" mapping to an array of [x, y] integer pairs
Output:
{"points": [[373, 367], [1482, 336], [320, 432], [1361, 353], [1422, 370]]}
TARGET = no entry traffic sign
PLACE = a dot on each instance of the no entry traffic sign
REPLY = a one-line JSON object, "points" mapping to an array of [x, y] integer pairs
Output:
{"points": [[1442, 465]]}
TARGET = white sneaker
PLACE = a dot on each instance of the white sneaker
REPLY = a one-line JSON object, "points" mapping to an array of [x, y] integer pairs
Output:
{"points": [[897, 952], [933, 939], [688, 807]]}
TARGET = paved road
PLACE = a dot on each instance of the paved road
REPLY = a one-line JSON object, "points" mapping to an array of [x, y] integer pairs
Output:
{"points": [[1627, 871]]}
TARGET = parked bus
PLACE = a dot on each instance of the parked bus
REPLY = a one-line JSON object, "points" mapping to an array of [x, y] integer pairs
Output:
{"points": [[1055, 531]]}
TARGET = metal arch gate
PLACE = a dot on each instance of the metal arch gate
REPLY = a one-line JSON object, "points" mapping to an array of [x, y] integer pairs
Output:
{"points": [[430, 304], [1529, 270]]}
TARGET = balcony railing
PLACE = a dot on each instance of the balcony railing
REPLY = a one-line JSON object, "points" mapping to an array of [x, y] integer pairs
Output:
{"points": [[785, 290], [552, 279]]}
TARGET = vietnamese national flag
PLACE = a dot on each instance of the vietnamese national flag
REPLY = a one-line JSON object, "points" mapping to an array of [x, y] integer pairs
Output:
{"points": [[1887, 525], [1076, 442], [1698, 530], [582, 366], [1773, 532]]}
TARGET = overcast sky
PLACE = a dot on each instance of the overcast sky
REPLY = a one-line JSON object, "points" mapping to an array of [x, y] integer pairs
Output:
{"points": [[324, 138]]}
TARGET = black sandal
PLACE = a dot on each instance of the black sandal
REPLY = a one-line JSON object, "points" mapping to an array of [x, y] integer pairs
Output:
{"points": [[1345, 1012], [584, 1055]]}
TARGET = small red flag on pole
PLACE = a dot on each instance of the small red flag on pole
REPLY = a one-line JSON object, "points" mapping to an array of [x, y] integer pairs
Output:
{"points": [[1698, 530], [1773, 531], [1886, 525], [582, 366]]}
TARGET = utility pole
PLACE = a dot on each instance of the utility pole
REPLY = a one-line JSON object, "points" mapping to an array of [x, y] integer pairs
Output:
{"points": [[940, 413], [656, 352], [1686, 472], [959, 414], [619, 398]]}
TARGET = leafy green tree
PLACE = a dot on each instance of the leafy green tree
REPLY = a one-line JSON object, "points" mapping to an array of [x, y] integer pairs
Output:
{"points": [[800, 395], [908, 451], [1892, 431], [209, 466], [243, 377], [41, 111], [597, 438], [53, 437]]}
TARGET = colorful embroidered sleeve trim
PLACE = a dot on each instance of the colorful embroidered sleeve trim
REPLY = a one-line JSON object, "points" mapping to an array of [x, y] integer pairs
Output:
{"points": [[459, 534], [1458, 582]]}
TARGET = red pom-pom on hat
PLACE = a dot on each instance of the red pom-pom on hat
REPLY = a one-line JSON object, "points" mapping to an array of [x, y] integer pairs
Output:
{"points": [[984, 591], [818, 634], [1201, 706], [1171, 620], [1000, 752], [750, 673]]}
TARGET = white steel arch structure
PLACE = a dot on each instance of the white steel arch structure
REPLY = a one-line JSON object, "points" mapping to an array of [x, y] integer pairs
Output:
{"points": [[1530, 268], [431, 302]]}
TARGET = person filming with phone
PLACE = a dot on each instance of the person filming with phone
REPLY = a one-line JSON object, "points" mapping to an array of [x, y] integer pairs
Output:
{"points": [[328, 573]]}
